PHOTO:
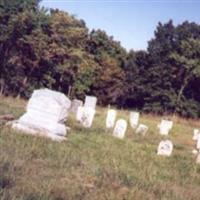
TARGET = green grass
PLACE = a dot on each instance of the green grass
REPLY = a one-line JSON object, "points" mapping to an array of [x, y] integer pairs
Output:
{"points": [[93, 165]]}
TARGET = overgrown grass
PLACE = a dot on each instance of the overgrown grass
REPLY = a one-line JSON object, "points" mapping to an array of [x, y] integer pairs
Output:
{"points": [[93, 165]]}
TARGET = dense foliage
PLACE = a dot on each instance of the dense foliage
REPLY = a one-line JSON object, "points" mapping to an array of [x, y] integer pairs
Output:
{"points": [[51, 48]]}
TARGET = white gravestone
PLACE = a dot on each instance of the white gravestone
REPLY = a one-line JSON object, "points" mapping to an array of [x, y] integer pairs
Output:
{"points": [[45, 114], [87, 116], [90, 101], [198, 144], [196, 137], [142, 129], [196, 134], [165, 126], [120, 128], [165, 148], [79, 113], [194, 151], [134, 119], [75, 104], [198, 159], [110, 119]]}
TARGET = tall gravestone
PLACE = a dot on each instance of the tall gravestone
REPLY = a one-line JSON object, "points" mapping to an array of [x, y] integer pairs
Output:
{"points": [[134, 119], [85, 114], [90, 101], [110, 119]]}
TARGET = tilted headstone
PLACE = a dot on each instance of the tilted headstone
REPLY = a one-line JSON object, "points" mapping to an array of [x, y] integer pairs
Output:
{"points": [[90, 101], [120, 128], [45, 114], [134, 119], [87, 116], [165, 148], [142, 129], [75, 104], [165, 126], [110, 119]]}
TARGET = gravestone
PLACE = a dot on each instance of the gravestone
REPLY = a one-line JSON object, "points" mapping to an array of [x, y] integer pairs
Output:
{"points": [[110, 119], [134, 119], [165, 148], [196, 134], [142, 129], [75, 104], [45, 114], [198, 159], [165, 126], [79, 113], [120, 128], [87, 116], [194, 151], [198, 144], [90, 101]]}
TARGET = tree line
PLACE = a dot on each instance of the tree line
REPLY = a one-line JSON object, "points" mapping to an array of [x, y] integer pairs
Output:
{"points": [[53, 49]]}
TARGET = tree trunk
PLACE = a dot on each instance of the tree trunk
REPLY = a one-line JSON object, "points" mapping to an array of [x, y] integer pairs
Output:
{"points": [[179, 96]]}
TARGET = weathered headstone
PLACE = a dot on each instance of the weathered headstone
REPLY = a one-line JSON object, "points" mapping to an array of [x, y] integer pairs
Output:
{"points": [[120, 128], [45, 114], [165, 148], [87, 116], [110, 119], [142, 129], [165, 126], [75, 104], [134, 119], [90, 101]]}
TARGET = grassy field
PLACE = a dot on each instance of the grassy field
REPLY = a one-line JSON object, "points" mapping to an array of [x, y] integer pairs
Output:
{"points": [[93, 165]]}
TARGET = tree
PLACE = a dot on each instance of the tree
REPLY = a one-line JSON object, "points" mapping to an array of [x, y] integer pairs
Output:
{"points": [[109, 73], [18, 19], [187, 61]]}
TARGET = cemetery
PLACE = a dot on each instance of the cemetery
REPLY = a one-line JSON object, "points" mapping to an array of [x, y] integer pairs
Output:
{"points": [[50, 126], [99, 100]]}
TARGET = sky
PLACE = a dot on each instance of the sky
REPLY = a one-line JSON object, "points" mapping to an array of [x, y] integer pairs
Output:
{"points": [[132, 22]]}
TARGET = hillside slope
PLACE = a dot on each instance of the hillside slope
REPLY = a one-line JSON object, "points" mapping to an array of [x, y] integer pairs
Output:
{"points": [[92, 164]]}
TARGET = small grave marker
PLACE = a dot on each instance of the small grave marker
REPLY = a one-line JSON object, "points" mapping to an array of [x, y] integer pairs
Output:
{"points": [[165, 126], [165, 148], [120, 128], [142, 129]]}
